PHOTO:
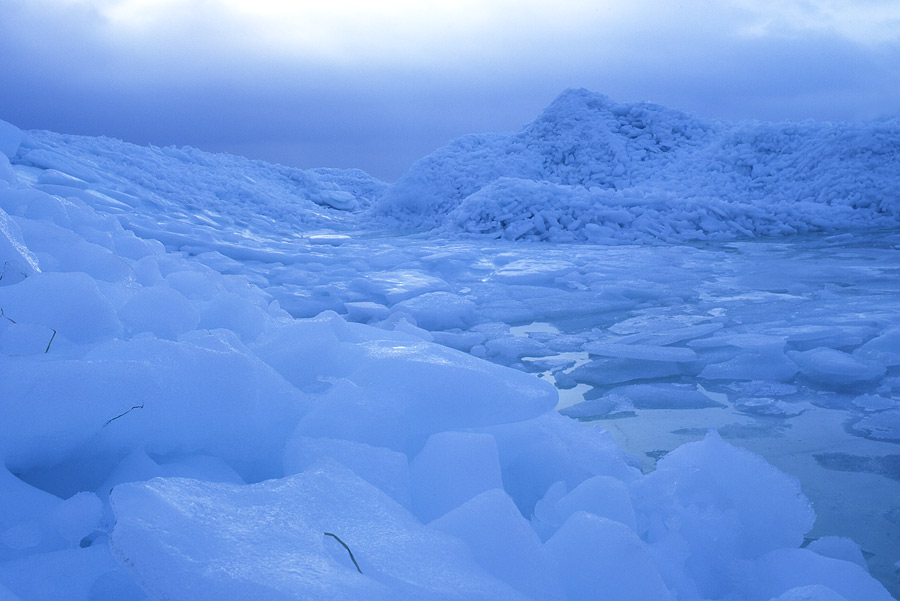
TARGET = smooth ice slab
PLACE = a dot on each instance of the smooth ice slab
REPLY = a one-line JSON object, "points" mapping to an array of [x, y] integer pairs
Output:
{"points": [[643, 352], [192, 540], [831, 366], [399, 392]]}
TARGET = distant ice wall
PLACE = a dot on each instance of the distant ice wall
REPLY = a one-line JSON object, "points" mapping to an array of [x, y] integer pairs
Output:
{"points": [[589, 169]]}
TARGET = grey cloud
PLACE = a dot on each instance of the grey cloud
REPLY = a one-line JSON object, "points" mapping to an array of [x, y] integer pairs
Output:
{"points": [[65, 72]]}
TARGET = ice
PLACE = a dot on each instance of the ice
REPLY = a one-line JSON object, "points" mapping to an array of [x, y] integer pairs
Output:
{"points": [[764, 362], [11, 137], [815, 592], [234, 312], [537, 454], [398, 392], [589, 169], [607, 372], [512, 552], [87, 316], [170, 397], [366, 311], [268, 541], [834, 367], [439, 310], [883, 425], [664, 396], [666, 334], [532, 272], [509, 349], [885, 349], [7, 595], [607, 405], [7, 173], [601, 496], [769, 407], [251, 356], [139, 466], [388, 470], [52, 177], [839, 547], [641, 352], [871, 403], [452, 468], [160, 310], [59, 249], [18, 262], [711, 489], [398, 286], [330, 239], [785, 569], [601, 556], [78, 516], [65, 574]]}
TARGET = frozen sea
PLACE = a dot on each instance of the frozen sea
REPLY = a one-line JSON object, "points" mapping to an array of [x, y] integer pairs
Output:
{"points": [[622, 349], [788, 348]]}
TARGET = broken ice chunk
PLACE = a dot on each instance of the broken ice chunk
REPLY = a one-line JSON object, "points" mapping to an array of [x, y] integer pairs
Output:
{"points": [[640, 351], [671, 335], [586, 541], [769, 407], [607, 405], [872, 402], [771, 364], [608, 371], [396, 286], [440, 310], [665, 396], [830, 366], [884, 349], [884, 425], [452, 468], [532, 271]]}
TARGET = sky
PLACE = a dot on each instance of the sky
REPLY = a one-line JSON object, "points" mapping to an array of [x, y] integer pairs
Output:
{"points": [[376, 85]]}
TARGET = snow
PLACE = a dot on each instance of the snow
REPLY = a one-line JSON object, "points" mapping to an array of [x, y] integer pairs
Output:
{"points": [[589, 169], [224, 379]]}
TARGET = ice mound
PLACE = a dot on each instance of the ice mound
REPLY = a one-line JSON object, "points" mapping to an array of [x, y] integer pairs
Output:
{"points": [[273, 540], [513, 553], [589, 169], [11, 138], [396, 393], [17, 261], [160, 190], [586, 541]]}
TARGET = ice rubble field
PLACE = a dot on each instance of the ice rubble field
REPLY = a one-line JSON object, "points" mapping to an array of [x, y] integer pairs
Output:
{"points": [[223, 379]]}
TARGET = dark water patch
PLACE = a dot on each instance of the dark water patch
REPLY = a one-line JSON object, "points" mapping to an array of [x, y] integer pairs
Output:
{"points": [[887, 465]]}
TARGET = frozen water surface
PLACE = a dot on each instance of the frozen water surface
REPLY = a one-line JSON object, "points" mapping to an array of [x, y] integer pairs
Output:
{"points": [[761, 340], [627, 349]]}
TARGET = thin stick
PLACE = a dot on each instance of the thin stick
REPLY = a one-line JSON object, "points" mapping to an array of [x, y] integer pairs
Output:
{"points": [[2, 314], [141, 406], [51, 341], [343, 544]]}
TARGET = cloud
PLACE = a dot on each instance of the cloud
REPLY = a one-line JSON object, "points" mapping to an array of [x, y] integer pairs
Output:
{"points": [[376, 85]]}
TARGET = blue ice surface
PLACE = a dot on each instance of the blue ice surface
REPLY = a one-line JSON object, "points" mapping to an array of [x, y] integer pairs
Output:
{"points": [[209, 363]]}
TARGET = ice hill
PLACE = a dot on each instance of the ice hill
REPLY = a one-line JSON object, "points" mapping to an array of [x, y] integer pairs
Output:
{"points": [[169, 431], [589, 169], [179, 193]]}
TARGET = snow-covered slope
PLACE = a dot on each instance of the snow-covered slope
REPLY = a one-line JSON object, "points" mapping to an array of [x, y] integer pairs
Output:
{"points": [[172, 189], [169, 431], [589, 169]]}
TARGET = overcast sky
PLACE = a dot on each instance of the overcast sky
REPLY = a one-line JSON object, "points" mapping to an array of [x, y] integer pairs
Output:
{"points": [[376, 85]]}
